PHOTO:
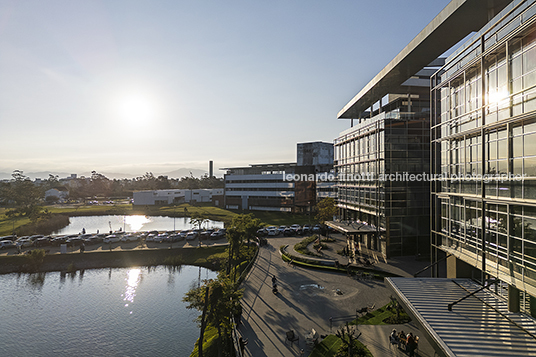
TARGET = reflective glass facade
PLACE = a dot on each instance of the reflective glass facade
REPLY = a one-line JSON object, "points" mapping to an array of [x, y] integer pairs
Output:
{"points": [[374, 161], [484, 151]]}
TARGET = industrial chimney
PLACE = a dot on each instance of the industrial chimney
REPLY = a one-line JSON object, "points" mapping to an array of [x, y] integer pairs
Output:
{"points": [[210, 169]]}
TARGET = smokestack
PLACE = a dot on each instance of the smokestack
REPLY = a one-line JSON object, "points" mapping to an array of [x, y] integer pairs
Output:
{"points": [[210, 169]]}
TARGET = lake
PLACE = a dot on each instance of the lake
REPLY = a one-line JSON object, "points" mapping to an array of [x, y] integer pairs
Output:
{"points": [[100, 312], [133, 223]]}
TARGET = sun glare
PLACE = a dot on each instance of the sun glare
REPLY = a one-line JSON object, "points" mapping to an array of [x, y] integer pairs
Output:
{"points": [[137, 108]]}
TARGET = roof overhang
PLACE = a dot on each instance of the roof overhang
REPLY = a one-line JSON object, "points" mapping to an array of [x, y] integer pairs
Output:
{"points": [[479, 325], [352, 227], [458, 19]]}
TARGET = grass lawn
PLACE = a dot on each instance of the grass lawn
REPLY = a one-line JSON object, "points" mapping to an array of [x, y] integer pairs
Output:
{"points": [[328, 347], [378, 316], [185, 209], [331, 345]]}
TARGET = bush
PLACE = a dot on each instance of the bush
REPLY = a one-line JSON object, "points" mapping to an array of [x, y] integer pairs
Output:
{"points": [[301, 247], [35, 258]]}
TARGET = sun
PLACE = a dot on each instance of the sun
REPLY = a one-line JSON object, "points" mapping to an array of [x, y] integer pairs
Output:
{"points": [[136, 108]]}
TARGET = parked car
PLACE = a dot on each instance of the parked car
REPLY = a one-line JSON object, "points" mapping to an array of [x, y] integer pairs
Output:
{"points": [[35, 237], [289, 232], [43, 242], [272, 231], [23, 242], [151, 236], [59, 240], [220, 233], [281, 229], [74, 241], [191, 235], [176, 237], [112, 238], [297, 229], [306, 229], [6, 244], [11, 238], [317, 229], [129, 238], [184, 233], [206, 234], [161, 237], [94, 239], [262, 232]]}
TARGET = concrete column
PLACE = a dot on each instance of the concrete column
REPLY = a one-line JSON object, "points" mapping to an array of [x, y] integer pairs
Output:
{"points": [[457, 268], [513, 299]]}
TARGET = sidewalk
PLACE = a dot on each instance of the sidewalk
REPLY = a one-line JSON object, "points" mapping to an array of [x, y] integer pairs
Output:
{"points": [[307, 299]]}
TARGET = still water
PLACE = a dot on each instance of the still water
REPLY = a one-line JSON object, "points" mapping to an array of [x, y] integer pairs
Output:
{"points": [[100, 312], [132, 223]]}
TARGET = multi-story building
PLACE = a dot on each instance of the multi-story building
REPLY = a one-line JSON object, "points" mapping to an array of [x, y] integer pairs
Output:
{"points": [[380, 162], [484, 156], [260, 187], [482, 177], [286, 187], [178, 196]]}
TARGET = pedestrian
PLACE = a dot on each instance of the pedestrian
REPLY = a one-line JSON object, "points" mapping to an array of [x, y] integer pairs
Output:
{"points": [[242, 342], [82, 248], [274, 280], [410, 345]]}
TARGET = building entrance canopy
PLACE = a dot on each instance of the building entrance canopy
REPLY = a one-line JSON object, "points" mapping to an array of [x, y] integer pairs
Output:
{"points": [[479, 325], [348, 227]]}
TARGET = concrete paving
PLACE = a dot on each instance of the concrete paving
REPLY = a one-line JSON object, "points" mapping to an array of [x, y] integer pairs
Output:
{"points": [[308, 299]]}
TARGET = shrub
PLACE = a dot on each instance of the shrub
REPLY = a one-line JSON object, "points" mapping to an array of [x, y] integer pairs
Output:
{"points": [[35, 258]]}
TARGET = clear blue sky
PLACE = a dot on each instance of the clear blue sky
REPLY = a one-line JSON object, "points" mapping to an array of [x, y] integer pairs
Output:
{"points": [[134, 86]]}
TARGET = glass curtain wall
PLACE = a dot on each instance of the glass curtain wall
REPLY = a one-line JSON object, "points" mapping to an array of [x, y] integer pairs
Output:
{"points": [[484, 151]]}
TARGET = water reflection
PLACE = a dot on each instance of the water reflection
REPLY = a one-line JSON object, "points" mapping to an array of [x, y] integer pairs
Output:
{"points": [[133, 279], [37, 280], [136, 222]]}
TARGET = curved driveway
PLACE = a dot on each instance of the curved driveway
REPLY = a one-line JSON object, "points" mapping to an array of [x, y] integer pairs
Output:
{"points": [[307, 299]]}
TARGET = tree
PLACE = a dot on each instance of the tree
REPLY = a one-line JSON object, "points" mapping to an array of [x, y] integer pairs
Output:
{"points": [[243, 226], [217, 300], [326, 209], [24, 195], [198, 219]]}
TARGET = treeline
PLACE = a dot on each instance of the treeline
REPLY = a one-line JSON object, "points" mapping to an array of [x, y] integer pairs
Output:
{"points": [[96, 185]]}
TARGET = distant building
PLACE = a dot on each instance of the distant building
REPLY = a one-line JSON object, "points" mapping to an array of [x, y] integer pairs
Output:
{"points": [[284, 187], [60, 193], [317, 154], [174, 196]]}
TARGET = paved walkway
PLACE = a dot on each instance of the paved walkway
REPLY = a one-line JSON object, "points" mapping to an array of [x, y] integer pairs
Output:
{"points": [[307, 299]]}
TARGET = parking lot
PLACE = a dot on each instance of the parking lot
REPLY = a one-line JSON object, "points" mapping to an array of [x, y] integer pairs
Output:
{"points": [[73, 243]]}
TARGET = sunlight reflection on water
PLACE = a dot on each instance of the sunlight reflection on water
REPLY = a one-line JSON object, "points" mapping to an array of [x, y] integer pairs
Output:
{"points": [[136, 222]]}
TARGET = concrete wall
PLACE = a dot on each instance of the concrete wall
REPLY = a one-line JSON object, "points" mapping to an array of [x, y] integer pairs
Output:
{"points": [[149, 198], [315, 154]]}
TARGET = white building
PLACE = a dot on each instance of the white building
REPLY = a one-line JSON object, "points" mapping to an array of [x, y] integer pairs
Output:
{"points": [[169, 197], [60, 193]]}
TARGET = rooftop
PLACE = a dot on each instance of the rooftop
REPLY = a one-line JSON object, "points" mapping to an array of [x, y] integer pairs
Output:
{"points": [[457, 20], [480, 325]]}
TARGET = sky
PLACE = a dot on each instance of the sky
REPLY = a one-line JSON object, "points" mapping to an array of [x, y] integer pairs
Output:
{"points": [[129, 86]]}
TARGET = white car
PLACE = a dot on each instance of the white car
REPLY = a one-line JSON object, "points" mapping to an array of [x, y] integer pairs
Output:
{"points": [[112, 238], [191, 235], [272, 231], [5, 244], [24, 242], [161, 237], [129, 238]]}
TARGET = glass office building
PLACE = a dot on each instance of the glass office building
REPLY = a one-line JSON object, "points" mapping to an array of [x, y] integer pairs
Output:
{"points": [[380, 162], [483, 157]]}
